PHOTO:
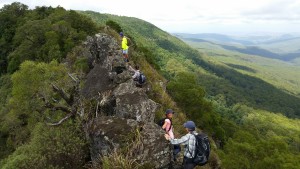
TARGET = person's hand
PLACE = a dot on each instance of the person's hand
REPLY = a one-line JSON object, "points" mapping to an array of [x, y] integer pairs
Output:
{"points": [[167, 137]]}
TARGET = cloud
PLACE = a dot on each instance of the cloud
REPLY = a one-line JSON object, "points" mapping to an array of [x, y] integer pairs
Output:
{"points": [[279, 10], [191, 14]]}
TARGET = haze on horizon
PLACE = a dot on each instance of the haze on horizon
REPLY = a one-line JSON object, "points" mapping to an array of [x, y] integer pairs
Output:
{"points": [[196, 16]]}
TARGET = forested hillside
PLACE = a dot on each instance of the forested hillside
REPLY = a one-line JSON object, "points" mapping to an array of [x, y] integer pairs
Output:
{"points": [[34, 44], [169, 52], [254, 124], [231, 112]]}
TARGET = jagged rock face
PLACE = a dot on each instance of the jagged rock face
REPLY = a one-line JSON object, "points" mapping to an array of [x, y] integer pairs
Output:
{"points": [[123, 107], [156, 149], [107, 62], [109, 133], [110, 76], [132, 102]]}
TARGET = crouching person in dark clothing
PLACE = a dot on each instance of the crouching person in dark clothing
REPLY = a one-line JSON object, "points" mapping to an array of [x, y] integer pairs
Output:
{"points": [[189, 142], [138, 76]]}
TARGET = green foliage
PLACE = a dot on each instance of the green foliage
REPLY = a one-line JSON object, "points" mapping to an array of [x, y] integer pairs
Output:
{"points": [[5, 90], [283, 75], [149, 56], [248, 90], [50, 147], [114, 25], [81, 65], [31, 86], [266, 140], [190, 97], [184, 87], [11, 16], [37, 145], [42, 34]]}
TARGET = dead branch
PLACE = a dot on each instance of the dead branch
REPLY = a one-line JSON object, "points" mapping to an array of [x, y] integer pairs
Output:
{"points": [[57, 107], [63, 94], [73, 78], [75, 88], [69, 98], [61, 121]]}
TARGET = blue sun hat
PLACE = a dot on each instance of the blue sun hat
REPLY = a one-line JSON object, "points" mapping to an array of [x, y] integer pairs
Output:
{"points": [[121, 33]]}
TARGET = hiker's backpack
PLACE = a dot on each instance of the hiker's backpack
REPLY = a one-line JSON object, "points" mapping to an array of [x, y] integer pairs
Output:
{"points": [[202, 149], [142, 78], [161, 122]]}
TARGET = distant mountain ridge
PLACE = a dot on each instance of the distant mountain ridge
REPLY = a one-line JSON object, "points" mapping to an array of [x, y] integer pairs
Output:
{"points": [[214, 38], [253, 50], [243, 40], [251, 47]]}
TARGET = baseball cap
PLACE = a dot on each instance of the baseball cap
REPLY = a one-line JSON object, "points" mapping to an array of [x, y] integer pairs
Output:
{"points": [[190, 125], [168, 111]]}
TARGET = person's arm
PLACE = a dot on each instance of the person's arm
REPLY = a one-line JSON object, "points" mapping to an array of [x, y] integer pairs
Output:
{"points": [[183, 140], [131, 69], [165, 124]]}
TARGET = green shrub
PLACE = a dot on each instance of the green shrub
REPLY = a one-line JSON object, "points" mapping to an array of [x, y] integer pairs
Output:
{"points": [[50, 147], [114, 25], [81, 65]]}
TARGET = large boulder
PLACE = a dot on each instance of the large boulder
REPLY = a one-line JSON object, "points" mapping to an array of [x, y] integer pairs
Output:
{"points": [[107, 62], [147, 142], [132, 102]]}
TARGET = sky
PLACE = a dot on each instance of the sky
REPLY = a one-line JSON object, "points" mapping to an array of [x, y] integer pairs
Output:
{"points": [[196, 16]]}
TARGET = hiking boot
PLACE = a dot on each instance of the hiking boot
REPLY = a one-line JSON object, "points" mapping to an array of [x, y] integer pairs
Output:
{"points": [[174, 159], [126, 60]]}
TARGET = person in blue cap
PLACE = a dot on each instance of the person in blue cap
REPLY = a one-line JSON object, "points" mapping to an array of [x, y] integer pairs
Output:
{"points": [[124, 47], [189, 141]]}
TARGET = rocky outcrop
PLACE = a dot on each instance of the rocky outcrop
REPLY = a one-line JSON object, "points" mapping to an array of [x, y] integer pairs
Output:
{"points": [[106, 63], [133, 103], [126, 114], [146, 141]]}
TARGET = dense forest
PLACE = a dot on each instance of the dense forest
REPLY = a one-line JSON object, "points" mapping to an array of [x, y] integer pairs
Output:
{"points": [[34, 44], [253, 124]]}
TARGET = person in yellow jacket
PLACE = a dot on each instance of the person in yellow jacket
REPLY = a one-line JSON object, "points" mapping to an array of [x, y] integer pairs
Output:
{"points": [[124, 47]]}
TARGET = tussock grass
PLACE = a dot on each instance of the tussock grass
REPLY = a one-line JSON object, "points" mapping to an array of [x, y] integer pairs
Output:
{"points": [[123, 158]]}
